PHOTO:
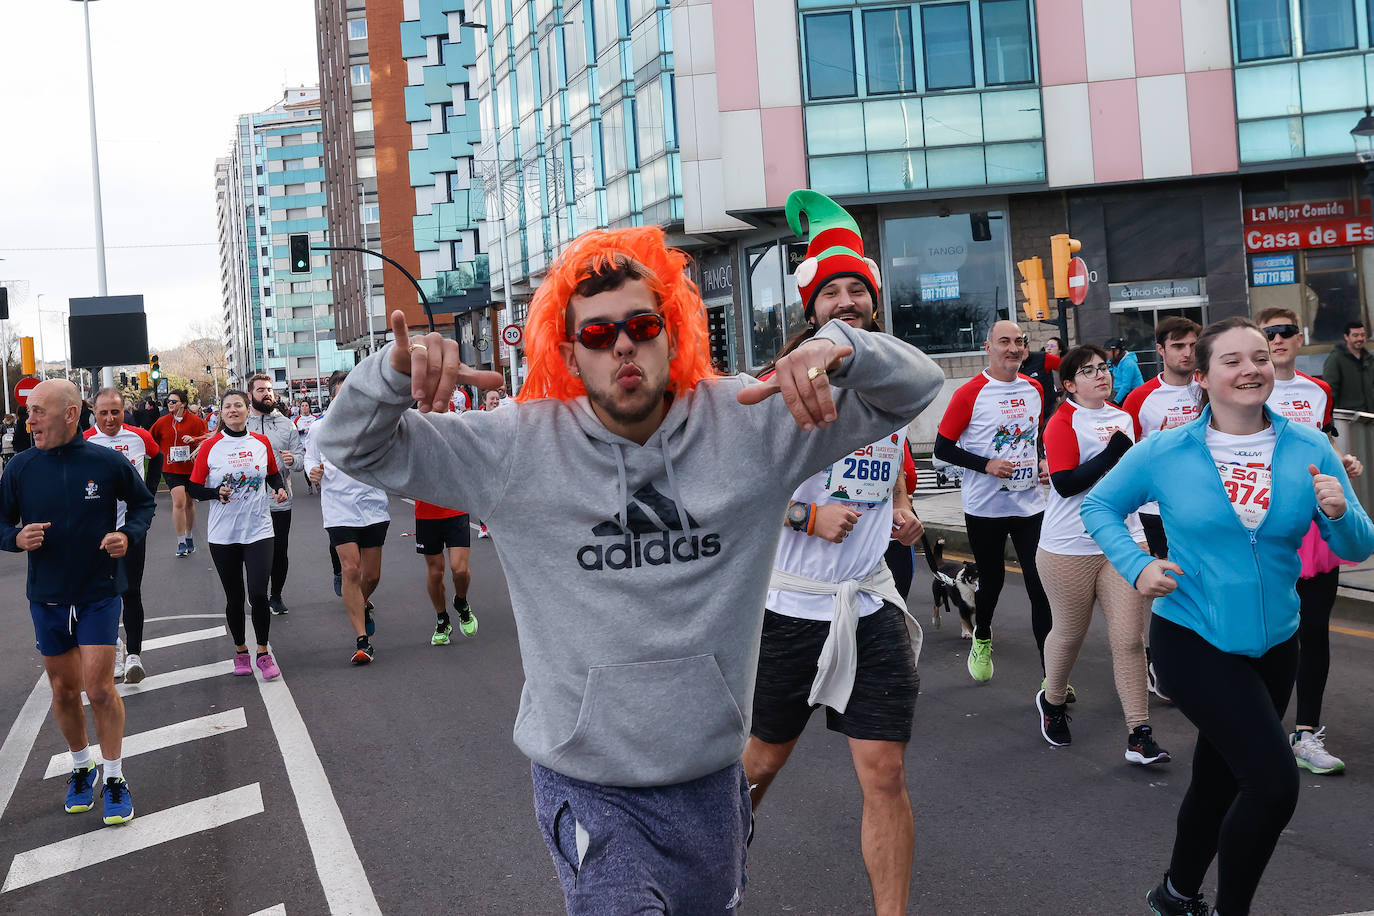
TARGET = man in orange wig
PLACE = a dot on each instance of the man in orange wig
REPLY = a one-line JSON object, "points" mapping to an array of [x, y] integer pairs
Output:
{"points": [[638, 557]]}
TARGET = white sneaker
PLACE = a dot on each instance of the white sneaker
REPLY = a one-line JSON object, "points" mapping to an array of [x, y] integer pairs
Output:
{"points": [[1312, 755], [119, 658], [133, 669]]}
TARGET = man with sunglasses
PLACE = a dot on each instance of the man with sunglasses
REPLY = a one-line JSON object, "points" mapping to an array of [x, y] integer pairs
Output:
{"points": [[1307, 400], [992, 429], [1349, 370], [177, 434], [657, 489]]}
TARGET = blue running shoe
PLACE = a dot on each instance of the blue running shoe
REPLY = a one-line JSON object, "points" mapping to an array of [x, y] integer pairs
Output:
{"points": [[119, 804], [81, 790], [338, 585]]}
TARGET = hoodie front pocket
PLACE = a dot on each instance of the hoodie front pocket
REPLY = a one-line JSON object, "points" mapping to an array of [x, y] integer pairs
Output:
{"points": [[652, 723]]}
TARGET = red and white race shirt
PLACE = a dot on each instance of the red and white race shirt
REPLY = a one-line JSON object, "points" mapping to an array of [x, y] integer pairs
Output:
{"points": [[862, 481], [998, 420], [1245, 464], [1302, 399], [1072, 436], [1155, 406], [304, 422], [134, 443], [243, 462]]}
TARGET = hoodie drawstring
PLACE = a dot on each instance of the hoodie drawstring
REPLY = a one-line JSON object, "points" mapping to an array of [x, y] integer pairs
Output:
{"points": [[676, 495], [624, 492]]}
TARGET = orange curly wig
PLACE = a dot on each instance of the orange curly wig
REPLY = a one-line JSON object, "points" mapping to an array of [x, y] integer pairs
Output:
{"points": [[678, 300]]}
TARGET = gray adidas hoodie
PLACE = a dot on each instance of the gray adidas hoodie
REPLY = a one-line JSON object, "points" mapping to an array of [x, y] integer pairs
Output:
{"points": [[637, 574]]}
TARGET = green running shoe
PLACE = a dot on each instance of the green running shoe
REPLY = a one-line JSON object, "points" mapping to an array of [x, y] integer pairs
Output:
{"points": [[980, 660], [442, 629], [467, 620]]}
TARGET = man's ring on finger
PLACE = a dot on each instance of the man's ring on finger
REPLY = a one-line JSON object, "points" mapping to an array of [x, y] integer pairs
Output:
{"points": [[814, 373], [414, 347]]}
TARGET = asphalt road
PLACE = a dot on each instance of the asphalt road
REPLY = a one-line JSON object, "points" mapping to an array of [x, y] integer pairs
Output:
{"points": [[396, 788]]}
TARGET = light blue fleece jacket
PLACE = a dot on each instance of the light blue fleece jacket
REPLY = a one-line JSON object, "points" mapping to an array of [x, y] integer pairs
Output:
{"points": [[1238, 589]]}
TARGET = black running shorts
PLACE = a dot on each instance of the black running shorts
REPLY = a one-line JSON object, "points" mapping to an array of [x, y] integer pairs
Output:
{"points": [[175, 480], [434, 535], [883, 701], [373, 535]]}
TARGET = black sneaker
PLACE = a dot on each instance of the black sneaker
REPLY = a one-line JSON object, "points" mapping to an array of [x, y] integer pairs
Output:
{"points": [[1054, 721], [1142, 749], [369, 624], [1163, 902], [363, 654], [277, 606]]}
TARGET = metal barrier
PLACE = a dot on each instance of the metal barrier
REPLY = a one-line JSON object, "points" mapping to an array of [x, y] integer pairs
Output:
{"points": [[1355, 435]]}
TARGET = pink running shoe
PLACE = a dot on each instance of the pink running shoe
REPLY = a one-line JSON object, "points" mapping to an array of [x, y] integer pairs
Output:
{"points": [[269, 668], [243, 664]]}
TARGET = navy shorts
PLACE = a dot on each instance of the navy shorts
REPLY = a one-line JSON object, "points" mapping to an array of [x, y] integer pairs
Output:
{"points": [[434, 535], [654, 849], [883, 701], [373, 535], [59, 628]]}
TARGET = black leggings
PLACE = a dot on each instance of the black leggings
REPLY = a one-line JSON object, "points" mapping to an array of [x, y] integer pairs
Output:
{"points": [[901, 562], [1245, 780], [1316, 596], [281, 534], [234, 563], [987, 538], [133, 595]]}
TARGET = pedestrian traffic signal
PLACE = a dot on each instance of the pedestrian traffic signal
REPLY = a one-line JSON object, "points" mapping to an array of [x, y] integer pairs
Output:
{"points": [[26, 361], [154, 369], [143, 381], [1062, 249], [300, 254], [123, 380], [4, 303], [1033, 287]]}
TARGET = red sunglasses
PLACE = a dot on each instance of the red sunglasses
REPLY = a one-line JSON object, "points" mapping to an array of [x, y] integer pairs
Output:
{"points": [[602, 335]]}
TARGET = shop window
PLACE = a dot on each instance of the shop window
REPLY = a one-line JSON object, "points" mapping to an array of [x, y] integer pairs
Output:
{"points": [[1333, 282], [887, 51], [775, 307], [1006, 42], [1263, 29], [948, 45], [830, 56], [1327, 25], [945, 289]]}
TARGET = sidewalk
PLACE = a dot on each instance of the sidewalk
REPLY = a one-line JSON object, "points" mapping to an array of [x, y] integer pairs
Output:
{"points": [[943, 514]]}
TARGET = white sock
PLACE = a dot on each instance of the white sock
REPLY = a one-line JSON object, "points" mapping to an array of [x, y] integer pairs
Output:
{"points": [[114, 769], [81, 759], [1168, 883]]}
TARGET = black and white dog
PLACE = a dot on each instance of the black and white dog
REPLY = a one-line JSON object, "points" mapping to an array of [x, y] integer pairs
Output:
{"points": [[951, 583]]}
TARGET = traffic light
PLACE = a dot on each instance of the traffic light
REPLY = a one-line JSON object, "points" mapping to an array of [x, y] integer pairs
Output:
{"points": [[154, 369], [4, 303], [1061, 250], [27, 365], [1033, 287], [980, 227], [300, 254], [123, 380], [143, 381]]}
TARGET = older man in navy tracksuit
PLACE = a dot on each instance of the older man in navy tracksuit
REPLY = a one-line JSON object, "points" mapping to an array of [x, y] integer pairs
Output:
{"points": [[59, 502]]}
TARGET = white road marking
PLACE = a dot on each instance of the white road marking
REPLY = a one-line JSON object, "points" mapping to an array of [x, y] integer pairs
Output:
{"points": [[158, 738], [142, 832], [148, 620], [278, 910], [173, 678], [177, 639], [346, 887], [21, 736]]}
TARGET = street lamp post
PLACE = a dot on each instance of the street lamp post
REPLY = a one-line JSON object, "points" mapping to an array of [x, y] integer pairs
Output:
{"points": [[367, 271], [1363, 132]]}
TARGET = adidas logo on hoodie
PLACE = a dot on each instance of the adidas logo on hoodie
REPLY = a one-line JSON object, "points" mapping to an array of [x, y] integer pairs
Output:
{"points": [[645, 536]]}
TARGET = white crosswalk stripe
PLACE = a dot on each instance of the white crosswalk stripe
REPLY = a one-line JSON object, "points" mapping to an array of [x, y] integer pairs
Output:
{"points": [[158, 738]]}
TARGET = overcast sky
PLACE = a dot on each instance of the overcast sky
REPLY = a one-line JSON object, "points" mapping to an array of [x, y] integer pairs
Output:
{"points": [[171, 77]]}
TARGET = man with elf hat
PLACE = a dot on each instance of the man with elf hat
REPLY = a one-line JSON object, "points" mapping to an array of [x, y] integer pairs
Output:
{"points": [[835, 630], [638, 558]]}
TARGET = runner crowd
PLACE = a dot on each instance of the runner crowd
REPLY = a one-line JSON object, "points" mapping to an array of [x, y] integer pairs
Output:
{"points": [[746, 549]]}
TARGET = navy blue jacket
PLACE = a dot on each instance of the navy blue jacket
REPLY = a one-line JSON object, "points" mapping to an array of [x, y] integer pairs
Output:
{"points": [[75, 487]]}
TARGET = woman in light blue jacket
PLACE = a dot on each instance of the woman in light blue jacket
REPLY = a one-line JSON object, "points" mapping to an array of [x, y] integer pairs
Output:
{"points": [[1237, 488]]}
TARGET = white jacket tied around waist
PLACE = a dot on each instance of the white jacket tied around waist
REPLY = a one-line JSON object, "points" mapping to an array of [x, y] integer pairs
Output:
{"points": [[839, 659]]}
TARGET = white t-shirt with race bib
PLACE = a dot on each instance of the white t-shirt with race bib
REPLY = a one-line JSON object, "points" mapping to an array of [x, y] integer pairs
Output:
{"points": [[995, 419], [1155, 406], [1245, 464], [242, 462], [134, 443], [1074, 435], [1302, 399], [863, 481]]}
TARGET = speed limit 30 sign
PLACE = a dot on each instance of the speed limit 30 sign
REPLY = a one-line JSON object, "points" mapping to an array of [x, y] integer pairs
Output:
{"points": [[511, 335]]}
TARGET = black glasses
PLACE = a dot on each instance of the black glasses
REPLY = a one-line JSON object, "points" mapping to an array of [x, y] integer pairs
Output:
{"points": [[1094, 370], [1282, 330], [602, 335]]}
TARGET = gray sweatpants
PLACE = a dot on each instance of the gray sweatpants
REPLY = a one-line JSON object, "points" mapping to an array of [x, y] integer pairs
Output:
{"points": [[618, 851]]}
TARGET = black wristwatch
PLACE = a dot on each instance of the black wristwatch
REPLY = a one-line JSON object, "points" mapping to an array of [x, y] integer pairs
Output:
{"points": [[797, 515]]}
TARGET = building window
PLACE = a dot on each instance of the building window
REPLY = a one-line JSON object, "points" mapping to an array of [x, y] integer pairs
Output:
{"points": [[262, 190], [370, 213], [360, 74], [1006, 42], [830, 56], [888, 55], [448, 115], [267, 291], [456, 252], [948, 45], [258, 169], [362, 120], [443, 51], [775, 307], [367, 167], [1263, 29], [263, 252], [357, 28], [1327, 25]]}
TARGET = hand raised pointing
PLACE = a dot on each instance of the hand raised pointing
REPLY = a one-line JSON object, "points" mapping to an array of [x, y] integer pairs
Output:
{"points": [[802, 377], [432, 361]]}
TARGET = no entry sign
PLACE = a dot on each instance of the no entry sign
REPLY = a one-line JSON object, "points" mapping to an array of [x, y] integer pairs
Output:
{"points": [[1078, 281], [23, 387]]}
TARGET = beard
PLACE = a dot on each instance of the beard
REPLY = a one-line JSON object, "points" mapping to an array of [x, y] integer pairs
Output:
{"points": [[642, 403], [266, 406]]}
